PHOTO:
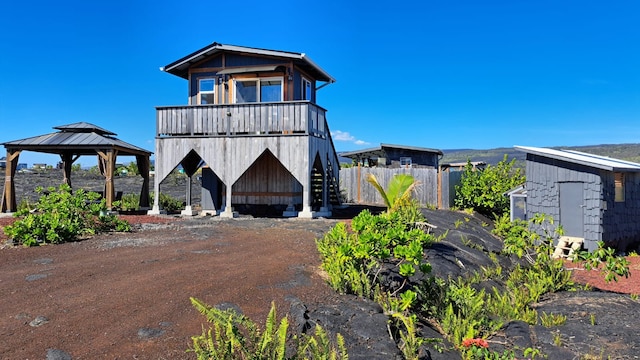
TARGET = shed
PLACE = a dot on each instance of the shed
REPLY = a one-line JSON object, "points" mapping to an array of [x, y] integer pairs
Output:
{"points": [[593, 197], [386, 161], [395, 156], [70, 142]]}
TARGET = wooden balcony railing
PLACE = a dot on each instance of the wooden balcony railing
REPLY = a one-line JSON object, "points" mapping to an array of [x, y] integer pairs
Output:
{"points": [[249, 119]]}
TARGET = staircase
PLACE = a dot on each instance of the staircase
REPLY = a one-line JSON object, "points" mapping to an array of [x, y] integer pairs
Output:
{"points": [[316, 188], [335, 197], [567, 245]]}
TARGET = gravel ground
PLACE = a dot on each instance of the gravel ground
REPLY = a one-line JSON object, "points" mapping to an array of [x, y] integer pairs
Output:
{"points": [[123, 296]]}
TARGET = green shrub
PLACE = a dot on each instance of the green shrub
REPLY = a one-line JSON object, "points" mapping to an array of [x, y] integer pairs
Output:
{"points": [[61, 215], [234, 336], [483, 189], [352, 260], [614, 266], [168, 203], [129, 202]]}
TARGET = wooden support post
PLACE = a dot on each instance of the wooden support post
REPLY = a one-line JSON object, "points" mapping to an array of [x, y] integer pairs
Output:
{"points": [[358, 182], [67, 161], [143, 167], [8, 203], [109, 163]]}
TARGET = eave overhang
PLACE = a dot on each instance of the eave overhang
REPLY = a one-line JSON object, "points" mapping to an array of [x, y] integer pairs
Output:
{"points": [[581, 158], [181, 66]]}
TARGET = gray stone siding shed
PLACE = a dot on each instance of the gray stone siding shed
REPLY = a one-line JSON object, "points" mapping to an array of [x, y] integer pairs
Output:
{"points": [[593, 197]]}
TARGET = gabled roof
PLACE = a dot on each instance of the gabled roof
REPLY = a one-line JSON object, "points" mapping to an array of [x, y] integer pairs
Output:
{"points": [[381, 151], [81, 138], [577, 157], [181, 66]]}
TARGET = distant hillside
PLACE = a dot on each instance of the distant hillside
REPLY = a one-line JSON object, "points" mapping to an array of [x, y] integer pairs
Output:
{"points": [[629, 152]]}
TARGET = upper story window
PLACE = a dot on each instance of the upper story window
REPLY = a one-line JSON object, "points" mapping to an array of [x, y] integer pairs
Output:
{"points": [[206, 91], [306, 89], [258, 90]]}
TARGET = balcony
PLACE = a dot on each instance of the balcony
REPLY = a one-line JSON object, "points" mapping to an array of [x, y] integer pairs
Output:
{"points": [[248, 119]]}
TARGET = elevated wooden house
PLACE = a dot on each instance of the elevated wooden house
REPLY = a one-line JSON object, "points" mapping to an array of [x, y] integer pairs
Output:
{"points": [[253, 125], [594, 198]]}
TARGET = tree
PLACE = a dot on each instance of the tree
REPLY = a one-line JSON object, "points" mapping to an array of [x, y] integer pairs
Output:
{"points": [[483, 190], [398, 190]]}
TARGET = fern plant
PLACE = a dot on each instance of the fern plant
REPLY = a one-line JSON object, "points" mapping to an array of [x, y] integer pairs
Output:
{"points": [[234, 336]]}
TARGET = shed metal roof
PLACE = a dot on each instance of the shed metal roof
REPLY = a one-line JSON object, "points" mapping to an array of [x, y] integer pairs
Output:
{"points": [[577, 157], [380, 151], [81, 138], [181, 66]]}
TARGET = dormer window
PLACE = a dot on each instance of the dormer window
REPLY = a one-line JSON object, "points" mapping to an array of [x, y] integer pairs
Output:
{"points": [[206, 91], [258, 90]]}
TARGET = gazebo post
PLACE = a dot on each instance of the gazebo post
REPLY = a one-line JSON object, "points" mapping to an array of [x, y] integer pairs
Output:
{"points": [[109, 159], [67, 162], [8, 203]]}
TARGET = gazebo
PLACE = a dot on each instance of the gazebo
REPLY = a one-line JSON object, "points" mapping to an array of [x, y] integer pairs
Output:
{"points": [[71, 142]]}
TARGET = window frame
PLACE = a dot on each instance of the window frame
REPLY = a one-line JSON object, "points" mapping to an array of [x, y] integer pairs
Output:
{"points": [[619, 187], [258, 80], [207, 92], [404, 160], [304, 82]]}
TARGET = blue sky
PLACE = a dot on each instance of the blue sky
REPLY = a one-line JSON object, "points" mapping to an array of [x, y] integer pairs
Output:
{"points": [[437, 74]]}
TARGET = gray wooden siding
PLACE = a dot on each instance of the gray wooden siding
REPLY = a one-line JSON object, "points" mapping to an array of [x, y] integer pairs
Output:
{"points": [[232, 60], [267, 182], [615, 223], [213, 62], [242, 119], [240, 161], [543, 193], [427, 192], [418, 158], [621, 220]]}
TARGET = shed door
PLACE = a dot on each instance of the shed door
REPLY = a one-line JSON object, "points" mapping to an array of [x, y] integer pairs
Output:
{"points": [[572, 208]]}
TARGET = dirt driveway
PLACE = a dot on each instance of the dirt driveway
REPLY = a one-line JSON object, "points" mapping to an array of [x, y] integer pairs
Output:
{"points": [[126, 296]]}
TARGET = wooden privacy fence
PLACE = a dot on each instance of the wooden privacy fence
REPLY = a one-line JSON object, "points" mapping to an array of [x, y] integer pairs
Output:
{"points": [[448, 182], [356, 189]]}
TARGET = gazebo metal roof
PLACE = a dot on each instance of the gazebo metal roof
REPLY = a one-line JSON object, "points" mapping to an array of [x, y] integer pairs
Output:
{"points": [[81, 138]]}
